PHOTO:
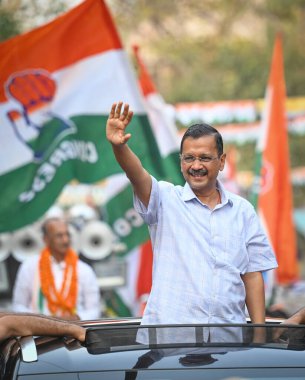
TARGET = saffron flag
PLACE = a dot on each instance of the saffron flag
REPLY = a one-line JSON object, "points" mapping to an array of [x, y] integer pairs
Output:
{"points": [[273, 192], [57, 85]]}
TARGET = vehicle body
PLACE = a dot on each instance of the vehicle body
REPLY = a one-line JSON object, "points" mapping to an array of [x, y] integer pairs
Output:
{"points": [[122, 349]]}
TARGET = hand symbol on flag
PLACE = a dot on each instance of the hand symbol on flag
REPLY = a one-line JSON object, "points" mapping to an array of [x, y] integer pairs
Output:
{"points": [[34, 90]]}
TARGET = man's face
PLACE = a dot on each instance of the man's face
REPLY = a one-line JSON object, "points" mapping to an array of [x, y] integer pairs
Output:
{"points": [[57, 238], [201, 176]]}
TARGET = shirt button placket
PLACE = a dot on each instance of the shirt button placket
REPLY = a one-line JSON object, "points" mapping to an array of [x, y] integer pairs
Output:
{"points": [[213, 258]]}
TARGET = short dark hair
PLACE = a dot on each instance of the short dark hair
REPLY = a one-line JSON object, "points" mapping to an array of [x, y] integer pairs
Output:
{"points": [[197, 130]]}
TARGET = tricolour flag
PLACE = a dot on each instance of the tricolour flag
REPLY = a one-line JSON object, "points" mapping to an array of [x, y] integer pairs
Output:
{"points": [[273, 192], [166, 134], [57, 84], [162, 120]]}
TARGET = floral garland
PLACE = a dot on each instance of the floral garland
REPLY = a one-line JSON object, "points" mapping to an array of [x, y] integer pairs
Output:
{"points": [[61, 302]]}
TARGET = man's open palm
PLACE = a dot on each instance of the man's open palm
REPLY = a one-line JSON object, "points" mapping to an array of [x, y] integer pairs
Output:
{"points": [[117, 123]]}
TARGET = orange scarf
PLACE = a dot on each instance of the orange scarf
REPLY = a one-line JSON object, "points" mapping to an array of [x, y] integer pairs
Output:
{"points": [[61, 302]]}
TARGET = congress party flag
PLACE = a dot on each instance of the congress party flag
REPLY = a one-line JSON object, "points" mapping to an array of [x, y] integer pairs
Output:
{"points": [[273, 193], [136, 293], [57, 85], [162, 119], [165, 131]]}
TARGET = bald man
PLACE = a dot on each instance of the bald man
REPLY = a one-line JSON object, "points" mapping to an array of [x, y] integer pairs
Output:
{"points": [[57, 282]]}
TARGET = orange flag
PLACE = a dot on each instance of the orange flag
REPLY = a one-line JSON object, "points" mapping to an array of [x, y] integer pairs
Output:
{"points": [[144, 280], [274, 194], [146, 83]]}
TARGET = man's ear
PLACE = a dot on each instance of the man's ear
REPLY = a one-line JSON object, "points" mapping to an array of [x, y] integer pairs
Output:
{"points": [[222, 161]]}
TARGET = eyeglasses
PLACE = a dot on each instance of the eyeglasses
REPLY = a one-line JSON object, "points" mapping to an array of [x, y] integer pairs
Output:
{"points": [[188, 158]]}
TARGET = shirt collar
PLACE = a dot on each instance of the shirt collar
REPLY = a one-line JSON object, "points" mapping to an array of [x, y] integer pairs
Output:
{"points": [[226, 196], [188, 194]]}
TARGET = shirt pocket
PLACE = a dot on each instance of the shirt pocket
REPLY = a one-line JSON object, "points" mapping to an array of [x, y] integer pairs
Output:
{"points": [[236, 254]]}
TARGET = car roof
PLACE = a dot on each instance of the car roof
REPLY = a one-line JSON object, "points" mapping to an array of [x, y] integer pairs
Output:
{"points": [[125, 345]]}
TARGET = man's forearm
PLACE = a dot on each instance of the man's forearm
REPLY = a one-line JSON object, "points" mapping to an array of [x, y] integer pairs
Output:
{"points": [[132, 166], [255, 296], [297, 318], [24, 325], [128, 161]]}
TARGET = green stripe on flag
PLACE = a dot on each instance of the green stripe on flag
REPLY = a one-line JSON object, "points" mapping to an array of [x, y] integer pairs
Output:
{"points": [[86, 155], [115, 306], [124, 220]]}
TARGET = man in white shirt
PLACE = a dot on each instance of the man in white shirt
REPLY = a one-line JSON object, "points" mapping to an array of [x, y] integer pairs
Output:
{"points": [[56, 282], [208, 245]]}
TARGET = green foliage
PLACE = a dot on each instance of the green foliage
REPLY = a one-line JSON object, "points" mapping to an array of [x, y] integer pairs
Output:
{"points": [[298, 196], [9, 24], [17, 17], [216, 49], [296, 148]]}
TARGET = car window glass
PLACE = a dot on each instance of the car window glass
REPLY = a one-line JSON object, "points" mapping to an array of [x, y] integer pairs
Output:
{"points": [[102, 340]]}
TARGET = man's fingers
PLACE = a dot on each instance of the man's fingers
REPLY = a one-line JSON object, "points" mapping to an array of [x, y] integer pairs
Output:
{"points": [[129, 116], [116, 110], [112, 111], [117, 113], [126, 138], [125, 112]]}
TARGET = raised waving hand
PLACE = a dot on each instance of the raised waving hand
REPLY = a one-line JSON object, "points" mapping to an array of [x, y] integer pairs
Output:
{"points": [[117, 123]]}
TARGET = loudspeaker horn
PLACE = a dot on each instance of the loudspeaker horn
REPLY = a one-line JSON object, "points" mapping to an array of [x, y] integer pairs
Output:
{"points": [[26, 242], [97, 240], [5, 245]]}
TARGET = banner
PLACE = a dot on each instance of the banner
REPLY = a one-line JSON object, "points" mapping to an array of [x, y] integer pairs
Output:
{"points": [[57, 85], [273, 192]]}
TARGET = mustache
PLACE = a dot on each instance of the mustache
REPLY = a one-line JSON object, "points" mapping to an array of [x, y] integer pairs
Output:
{"points": [[198, 172]]}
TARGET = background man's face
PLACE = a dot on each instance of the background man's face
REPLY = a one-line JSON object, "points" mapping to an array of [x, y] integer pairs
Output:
{"points": [[57, 238]]}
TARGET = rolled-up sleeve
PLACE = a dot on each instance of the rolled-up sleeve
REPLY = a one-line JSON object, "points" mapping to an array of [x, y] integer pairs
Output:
{"points": [[261, 255], [149, 213]]}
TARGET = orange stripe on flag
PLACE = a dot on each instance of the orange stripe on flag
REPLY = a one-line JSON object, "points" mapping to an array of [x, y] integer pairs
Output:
{"points": [[145, 270], [145, 80], [84, 31], [275, 204]]}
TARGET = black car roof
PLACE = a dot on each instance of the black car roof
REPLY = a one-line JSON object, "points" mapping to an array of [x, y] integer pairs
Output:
{"points": [[115, 346]]}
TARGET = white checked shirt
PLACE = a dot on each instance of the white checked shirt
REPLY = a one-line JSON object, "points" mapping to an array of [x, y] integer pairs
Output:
{"points": [[200, 255]]}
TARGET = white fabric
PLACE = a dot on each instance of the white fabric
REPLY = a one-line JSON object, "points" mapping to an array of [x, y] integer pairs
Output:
{"points": [[200, 255], [27, 286]]}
